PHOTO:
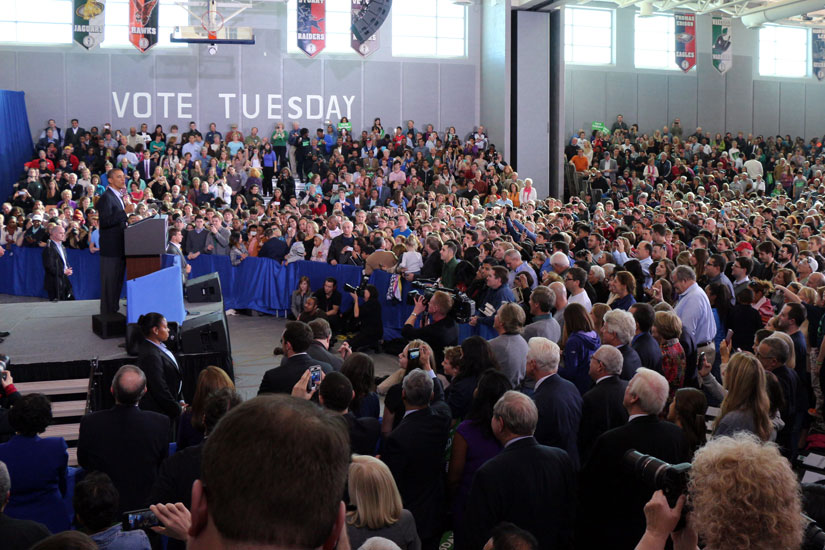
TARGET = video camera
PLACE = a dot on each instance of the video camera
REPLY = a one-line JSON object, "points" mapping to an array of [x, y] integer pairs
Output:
{"points": [[359, 290], [463, 307]]}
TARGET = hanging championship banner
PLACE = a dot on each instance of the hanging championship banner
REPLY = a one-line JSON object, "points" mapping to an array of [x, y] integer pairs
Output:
{"points": [[722, 54], [818, 52], [87, 24], [143, 23], [369, 45], [312, 33], [685, 40]]}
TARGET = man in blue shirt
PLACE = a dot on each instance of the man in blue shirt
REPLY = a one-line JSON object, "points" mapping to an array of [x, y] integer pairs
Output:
{"points": [[693, 308], [497, 293]]}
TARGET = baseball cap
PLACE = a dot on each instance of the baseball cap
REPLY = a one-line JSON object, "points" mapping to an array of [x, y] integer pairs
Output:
{"points": [[744, 246], [37, 218]]}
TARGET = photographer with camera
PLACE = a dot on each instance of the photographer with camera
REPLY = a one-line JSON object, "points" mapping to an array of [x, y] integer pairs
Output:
{"points": [[437, 328], [743, 495], [367, 316]]}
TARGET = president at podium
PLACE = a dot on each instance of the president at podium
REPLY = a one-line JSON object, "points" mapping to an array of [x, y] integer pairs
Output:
{"points": [[113, 206]]}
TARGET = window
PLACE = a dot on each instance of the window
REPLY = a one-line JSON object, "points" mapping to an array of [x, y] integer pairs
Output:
{"points": [[338, 22], [588, 36], [36, 21], [783, 51], [428, 28], [50, 22], [117, 24], [655, 46]]}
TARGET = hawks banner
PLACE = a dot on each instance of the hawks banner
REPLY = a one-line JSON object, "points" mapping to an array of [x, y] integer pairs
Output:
{"points": [[818, 52], [721, 52], [368, 46], [87, 24], [685, 40], [143, 23], [312, 26]]}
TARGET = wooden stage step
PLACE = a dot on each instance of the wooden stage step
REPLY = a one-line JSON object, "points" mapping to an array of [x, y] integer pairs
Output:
{"points": [[64, 409], [69, 432], [54, 387], [73, 457]]}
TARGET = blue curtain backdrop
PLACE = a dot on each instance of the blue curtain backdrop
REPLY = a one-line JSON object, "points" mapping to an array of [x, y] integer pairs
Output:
{"points": [[16, 143], [257, 283]]}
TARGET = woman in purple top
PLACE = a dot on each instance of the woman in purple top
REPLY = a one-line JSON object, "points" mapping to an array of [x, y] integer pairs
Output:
{"points": [[474, 444]]}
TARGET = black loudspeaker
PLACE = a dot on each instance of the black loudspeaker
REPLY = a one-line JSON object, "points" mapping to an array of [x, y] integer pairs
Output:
{"points": [[134, 338], [109, 325], [370, 18], [205, 334], [206, 288]]}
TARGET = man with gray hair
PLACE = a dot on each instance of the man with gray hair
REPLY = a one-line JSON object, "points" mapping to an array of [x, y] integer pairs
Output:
{"points": [[618, 330], [602, 405], [414, 453], [542, 300], [125, 442], [509, 348], [513, 261], [605, 474], [560, 262], [693, 308], [558, 401], [16, 533], [522, 479]]}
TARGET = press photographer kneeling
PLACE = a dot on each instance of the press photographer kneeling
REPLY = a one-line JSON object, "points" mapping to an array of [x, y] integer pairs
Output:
{"points": [[438, 328], [743, 496]]}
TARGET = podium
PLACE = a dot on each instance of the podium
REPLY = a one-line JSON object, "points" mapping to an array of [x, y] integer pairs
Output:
{"points": [[145, 242]]}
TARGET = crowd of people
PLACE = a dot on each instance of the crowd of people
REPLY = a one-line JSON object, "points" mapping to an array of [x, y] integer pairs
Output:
{"points": [[686, 273]]}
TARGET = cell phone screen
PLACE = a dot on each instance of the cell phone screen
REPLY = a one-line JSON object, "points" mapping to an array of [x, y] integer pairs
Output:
{"points": [[139, 519], [315, 376], [414, 353]]}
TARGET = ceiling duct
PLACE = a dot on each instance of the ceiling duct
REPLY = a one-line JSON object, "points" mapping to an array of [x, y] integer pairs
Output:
{"points": [[779, 11]]}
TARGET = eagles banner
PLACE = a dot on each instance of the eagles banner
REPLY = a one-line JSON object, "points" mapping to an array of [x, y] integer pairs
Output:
{"points": [[143, 23], [685, 40], [371, 44], [312, 26], [87, 24], [818, 52], [721, 52]]}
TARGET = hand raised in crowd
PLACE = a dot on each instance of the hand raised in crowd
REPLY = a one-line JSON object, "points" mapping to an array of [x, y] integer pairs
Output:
{"points": [[724, 351], [345, 350], [420, 306], [7, 381], [176, 520], [300, 388], [704, 367], [424, 358]]}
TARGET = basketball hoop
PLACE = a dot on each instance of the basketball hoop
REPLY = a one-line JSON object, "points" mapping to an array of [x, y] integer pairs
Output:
{"points": [[212, 23]]}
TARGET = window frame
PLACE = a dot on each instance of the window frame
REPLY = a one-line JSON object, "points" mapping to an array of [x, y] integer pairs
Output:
{"points": [[571, 44], [776, 61], [671, 44], [400, 30]]}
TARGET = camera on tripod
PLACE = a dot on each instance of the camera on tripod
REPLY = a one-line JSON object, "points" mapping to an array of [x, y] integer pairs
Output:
{"points": [[463, 307]]}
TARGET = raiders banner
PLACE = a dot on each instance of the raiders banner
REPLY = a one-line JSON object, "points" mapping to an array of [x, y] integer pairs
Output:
{"points": [[685, 40], [87, 24], [818, 52], [143, 23], [722, 54], [312, 26], [371, 44]]}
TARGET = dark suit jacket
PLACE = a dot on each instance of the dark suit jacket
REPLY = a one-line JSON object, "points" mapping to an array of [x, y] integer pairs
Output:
{"points": [[112, 219], [163, 381], [318, 351], [21, 533], [602, 410], [274, 249], [530, 485], [631, 364], [178, 251], [141, 168], [612, 492], [414, 453], [176, 476], [649, 350], [72, 137], [55, 281], [560, 410], [363, 434], [127, 444], [282, 378]]}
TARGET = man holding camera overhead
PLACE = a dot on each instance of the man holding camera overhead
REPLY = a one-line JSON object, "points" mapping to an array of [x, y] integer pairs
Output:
{"points": [[437, 328]]}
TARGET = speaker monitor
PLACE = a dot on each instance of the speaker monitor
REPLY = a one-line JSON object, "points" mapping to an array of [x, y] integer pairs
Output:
{"points": [[109, 325], [206, 288], [370, 18], [205, 334]]}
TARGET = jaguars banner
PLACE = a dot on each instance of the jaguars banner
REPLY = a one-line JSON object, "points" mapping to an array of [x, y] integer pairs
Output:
{"points": [[371, 44], [685, 40], [143, 23], [312, 26], [818, 52], [721, 52], [87, 24]]}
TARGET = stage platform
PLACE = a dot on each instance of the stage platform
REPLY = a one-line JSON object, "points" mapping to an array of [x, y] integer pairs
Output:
{"points": [[61, 332]]}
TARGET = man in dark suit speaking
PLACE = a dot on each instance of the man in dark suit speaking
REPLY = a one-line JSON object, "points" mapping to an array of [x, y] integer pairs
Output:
{"points": [[296, 340], [527, 484], [113, 207]]}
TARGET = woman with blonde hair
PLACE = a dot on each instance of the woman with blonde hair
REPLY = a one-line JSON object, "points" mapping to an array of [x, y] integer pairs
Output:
{"points": [[378, 508], [190, 426], [597, 316], [746, 407]]}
